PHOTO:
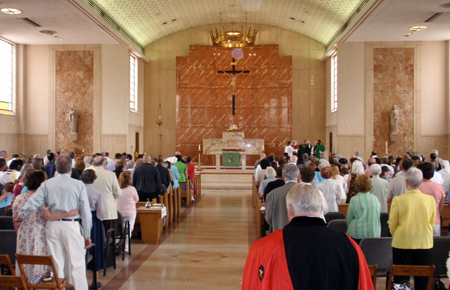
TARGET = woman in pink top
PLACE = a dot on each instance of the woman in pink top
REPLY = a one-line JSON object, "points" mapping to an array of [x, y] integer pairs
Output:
{"points": [[126, 203], [436, 190]]}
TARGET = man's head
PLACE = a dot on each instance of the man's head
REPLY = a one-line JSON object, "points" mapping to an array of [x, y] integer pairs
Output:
{"points": [[139, 161], [375, 169], [16, 164], [290, 172], [3, 154], [371, 161], [50, 156], [413, 178], [64, 164], [357, 153], [289, 143], [406, 164], [2, 164], [99, 161], [148, 159], [118, 157], [15, 155], [303, 200], [307, 174], [427, 170], [435, 152], [179, 158], [106, 154], [131, 164]]}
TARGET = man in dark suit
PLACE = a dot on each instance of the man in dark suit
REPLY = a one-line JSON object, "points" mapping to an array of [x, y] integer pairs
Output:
{"points": [[163, 173], [276, 211], [147, 181]]}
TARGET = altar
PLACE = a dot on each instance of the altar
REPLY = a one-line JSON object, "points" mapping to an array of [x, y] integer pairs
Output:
{"points": [[233, 142]]}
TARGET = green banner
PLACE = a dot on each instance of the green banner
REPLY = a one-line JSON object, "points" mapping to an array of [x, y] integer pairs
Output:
{"points": [[230, 159]]}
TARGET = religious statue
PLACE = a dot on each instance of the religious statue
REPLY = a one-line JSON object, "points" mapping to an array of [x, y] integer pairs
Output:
{"points": [[394, 118], [73, 120], [233, 80]]}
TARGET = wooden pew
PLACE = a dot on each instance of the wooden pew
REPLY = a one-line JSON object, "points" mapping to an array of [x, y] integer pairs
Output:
{"points": [[186, 192], [149, 223], [170, 213], [198, 183], [259, 215], [343, 207]]}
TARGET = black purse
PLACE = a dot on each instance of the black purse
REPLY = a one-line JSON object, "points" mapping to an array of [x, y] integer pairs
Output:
{"points": [[438, 285]]}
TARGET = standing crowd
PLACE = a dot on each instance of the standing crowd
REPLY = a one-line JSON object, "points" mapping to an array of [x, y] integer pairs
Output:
{"points": [[299, 188], [61, 204]]}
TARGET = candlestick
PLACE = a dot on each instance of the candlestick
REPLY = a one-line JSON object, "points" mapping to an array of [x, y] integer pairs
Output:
{"points": [[199, 148], [386, 147]]}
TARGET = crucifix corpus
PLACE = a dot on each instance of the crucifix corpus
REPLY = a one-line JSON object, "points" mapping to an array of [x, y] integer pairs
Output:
{"points": [[233, 74]]}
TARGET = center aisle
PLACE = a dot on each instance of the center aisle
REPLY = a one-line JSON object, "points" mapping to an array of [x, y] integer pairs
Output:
{"points": [[208, 249]]}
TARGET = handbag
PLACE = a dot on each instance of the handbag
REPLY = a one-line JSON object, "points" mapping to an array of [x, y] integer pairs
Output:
{"points": [[403, 285]]}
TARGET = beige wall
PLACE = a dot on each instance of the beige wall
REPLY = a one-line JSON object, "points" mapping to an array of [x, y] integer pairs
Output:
{"points": [[308, 82], [354, 119], [114, 124]]}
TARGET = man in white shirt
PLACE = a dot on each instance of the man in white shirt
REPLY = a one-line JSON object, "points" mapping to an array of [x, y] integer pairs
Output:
{"points": [[397, 186], [289, 149]]}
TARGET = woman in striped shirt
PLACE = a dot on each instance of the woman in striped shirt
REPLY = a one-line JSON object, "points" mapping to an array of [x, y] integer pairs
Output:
{"points": [[363, 214]]}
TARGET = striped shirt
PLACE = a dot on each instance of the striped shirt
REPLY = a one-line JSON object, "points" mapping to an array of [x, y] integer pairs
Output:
{"points": [[363, 216]]}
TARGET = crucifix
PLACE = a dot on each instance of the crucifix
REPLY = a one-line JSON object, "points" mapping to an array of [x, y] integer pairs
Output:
{"points": [[233, 74]]}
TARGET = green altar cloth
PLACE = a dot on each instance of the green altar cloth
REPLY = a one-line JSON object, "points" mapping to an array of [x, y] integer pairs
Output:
{"points": [[230, 159]]}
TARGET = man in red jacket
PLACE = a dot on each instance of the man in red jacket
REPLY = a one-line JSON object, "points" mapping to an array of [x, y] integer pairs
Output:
{"points": [[306, 255]]}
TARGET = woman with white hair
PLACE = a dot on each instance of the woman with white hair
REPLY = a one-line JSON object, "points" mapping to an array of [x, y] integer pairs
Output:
{"points": [[357, 170], [271, 175], [411, 220], [379, 186]]}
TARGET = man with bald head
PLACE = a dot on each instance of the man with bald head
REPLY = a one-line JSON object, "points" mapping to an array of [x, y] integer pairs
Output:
{"points": [[370, 163], [107, 184], [147, 180]]}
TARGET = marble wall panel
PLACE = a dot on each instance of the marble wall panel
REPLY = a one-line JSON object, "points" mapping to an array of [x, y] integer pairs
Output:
{"points": [[74, 81], [204, 97], [393, 84]]}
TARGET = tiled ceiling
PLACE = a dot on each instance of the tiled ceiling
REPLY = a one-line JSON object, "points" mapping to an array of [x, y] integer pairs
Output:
{"points": [[144, 19]]}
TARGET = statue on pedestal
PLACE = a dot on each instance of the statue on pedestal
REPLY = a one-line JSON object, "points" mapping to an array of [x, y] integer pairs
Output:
{"points": [[73, 120], [394, 119]]}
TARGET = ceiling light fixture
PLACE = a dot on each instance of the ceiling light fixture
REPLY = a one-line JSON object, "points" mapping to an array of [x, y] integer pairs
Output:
{"points": [[418, 28], [233, 38], [11, 11]]}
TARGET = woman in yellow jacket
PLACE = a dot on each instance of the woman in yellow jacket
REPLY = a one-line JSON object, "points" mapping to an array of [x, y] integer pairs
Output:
{"points": [[411, 222]]}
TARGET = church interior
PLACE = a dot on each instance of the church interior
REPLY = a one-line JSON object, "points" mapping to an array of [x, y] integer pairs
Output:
{"points": [[154, 77]]}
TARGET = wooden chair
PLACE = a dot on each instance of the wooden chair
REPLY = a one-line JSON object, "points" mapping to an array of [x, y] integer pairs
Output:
{"points": [[5, 260], [55, 283], [11, 282], [373, 274], [415, 271]]}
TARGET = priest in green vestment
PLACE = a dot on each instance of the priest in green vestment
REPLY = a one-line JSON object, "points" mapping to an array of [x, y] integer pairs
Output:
{"points": [[318, 148]]}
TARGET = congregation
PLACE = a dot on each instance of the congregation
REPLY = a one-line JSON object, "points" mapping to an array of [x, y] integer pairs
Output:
{"points": [[297, 191], [63, 203]]}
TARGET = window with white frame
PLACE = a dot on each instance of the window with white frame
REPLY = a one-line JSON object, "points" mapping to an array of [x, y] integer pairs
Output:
{"points": [[334, 83], [6, 77], [133, 83]]}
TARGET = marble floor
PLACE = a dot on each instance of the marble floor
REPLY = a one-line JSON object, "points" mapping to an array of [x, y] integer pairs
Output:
{"points": [[205, 249]]}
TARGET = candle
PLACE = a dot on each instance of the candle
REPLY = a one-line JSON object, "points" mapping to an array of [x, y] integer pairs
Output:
{"points": [[386, 147]]}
